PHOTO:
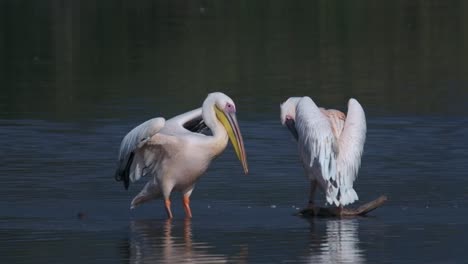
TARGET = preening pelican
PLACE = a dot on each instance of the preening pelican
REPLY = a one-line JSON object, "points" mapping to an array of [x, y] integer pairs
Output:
{"points": [[175, 153], [330, 146]]}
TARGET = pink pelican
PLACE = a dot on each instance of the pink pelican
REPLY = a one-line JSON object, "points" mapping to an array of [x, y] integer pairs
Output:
{"points": [[330, 146], [175, 153]]}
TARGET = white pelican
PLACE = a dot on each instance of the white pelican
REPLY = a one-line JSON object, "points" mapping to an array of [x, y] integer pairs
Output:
{"points": [[330, 146], [174, 153]]}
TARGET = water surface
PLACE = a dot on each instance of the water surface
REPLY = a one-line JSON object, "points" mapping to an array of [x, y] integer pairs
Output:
{"points": [[75, 77]]}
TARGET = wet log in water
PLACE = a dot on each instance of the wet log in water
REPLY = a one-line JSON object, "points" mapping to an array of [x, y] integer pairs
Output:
{"points": [[346, 212]]}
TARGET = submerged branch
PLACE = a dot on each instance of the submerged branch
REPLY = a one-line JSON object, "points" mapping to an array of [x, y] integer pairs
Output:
{"points": [[335, 212]]}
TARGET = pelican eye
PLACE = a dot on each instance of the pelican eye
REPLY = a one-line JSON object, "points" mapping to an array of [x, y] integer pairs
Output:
{"points": [[230, 107]]}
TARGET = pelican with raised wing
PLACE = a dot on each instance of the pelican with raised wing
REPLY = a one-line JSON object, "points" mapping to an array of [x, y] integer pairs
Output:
{"points": [[174, 153], [330, 146]]}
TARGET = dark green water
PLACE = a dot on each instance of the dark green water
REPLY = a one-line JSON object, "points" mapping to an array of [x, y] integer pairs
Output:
{"points": [[76, 76]]}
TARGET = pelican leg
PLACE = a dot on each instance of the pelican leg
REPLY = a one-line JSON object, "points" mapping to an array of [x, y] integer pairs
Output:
{"points": [[313, 186], [167, 204], [186, 201], [337, 211]]}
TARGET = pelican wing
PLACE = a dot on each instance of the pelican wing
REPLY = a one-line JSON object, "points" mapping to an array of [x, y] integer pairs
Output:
{"points": [[317, 144], [191, 121], [131, 163], [144, 147], [351, 145]]}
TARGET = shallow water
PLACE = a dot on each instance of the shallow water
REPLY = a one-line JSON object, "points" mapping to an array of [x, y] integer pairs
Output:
{"points": [[76, 77]]}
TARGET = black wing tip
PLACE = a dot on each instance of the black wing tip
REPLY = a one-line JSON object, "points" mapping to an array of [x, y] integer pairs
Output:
{"points": [[121, 176], [196, 125], [124, 174], [126, 184]]}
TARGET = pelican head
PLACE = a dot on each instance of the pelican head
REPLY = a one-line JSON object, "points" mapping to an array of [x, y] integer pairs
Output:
{"points": [[225, 111], [288, 114]]}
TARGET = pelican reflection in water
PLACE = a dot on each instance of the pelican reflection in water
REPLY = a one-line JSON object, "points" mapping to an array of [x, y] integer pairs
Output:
{"points": [[175, 153], [339, 244], [155, 241]]}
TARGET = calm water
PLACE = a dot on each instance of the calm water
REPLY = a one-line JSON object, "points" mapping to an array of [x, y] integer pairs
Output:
{"points": [[75, 77]]}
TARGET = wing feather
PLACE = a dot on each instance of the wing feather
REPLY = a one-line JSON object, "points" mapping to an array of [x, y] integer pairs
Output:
{"points": [[317, 144], [143, 148], [132, 163], [185, 122], [351, 146]]}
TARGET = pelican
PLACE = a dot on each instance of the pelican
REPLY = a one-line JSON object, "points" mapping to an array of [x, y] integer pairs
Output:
{"points": [[175, 153], [330, 146]]}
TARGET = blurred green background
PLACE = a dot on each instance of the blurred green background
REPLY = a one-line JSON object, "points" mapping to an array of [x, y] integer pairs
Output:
{"points": [[65, 59]]}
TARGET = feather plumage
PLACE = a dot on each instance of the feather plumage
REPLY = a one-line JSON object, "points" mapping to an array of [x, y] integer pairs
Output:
{"points": [[317, 145], [330, 145], [130, 162], [351, 145]]}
